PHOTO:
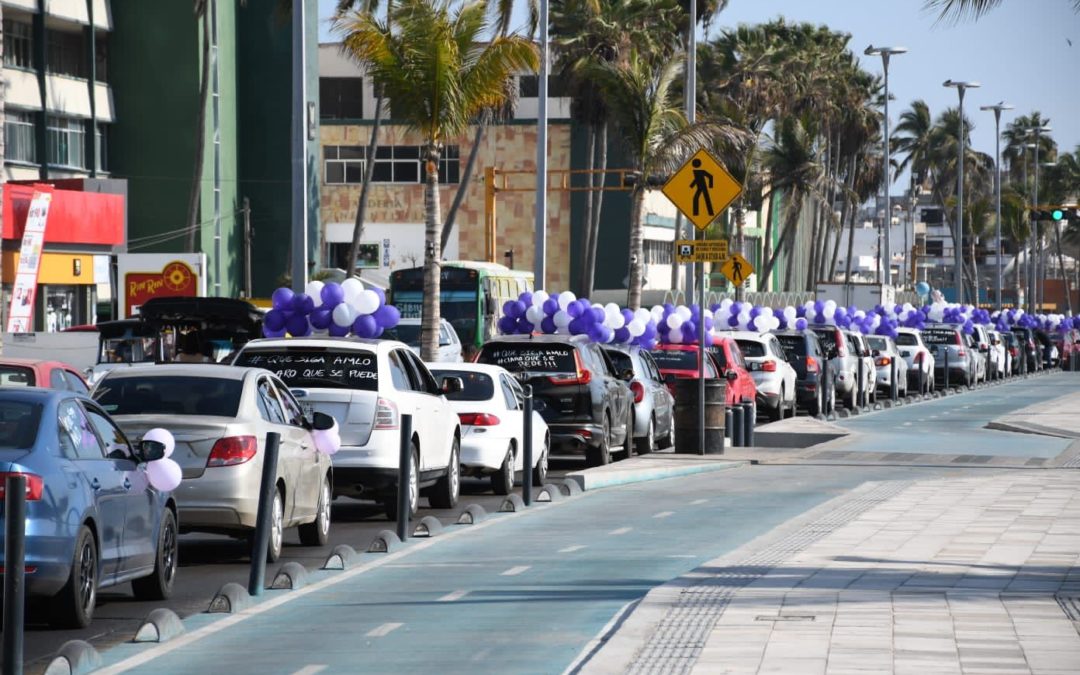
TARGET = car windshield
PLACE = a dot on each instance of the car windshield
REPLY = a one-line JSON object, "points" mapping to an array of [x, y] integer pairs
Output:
{"points": [[169, 395], [16, 376], [19, 424], [478, 386], [621, 360], [940, 337], [794, 345], [529, 356], [751, 348], [320, 367], [676, 359], [907, 340]]}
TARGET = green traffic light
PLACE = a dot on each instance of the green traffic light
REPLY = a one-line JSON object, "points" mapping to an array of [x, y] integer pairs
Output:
{"points": [[1057, 214]]}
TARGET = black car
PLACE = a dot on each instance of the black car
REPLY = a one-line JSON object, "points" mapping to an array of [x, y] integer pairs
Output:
{"points": [[1030, 348], [806, 355], [586, 403], [1012, 345], [1048, 351]]}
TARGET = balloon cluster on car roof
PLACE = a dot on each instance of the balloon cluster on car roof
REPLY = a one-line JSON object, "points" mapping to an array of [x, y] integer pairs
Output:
{"points": [[330, 309]]}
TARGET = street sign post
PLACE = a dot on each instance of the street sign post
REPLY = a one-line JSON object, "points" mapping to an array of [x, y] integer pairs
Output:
{"points": [[737, 268], [701, 189]]}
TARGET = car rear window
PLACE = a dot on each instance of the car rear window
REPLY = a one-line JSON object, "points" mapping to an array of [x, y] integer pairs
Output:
{"points": [[19, 422], [827, 337], [169, 395], [676, 359], [939, 337], [529, 357], [621, 360], [793, 344], [751, 348], [907, 340], [877, 343], [322, 367], [478, 386], [16, 376]]}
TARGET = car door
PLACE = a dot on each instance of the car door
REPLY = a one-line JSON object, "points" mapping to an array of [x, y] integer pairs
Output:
{"points": [[76, 383], [80, 443], [663, 402], [310, 462], [618, 390], [290, 453], [431, 411], [509, 405], [138, 543]]}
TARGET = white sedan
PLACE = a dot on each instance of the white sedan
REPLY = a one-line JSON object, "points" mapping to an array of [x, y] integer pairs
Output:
{"points": [[489, 406]]}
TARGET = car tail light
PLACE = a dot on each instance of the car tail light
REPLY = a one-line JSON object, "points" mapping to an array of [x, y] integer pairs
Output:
{"points": [[386, 414], [961, 352], [1013, 351], [882, 361], [768, 366], [232, 450], [581, 376], [478, 419], [920, 357], [29, 569], [639, 391], [811, 364], [35, 485]]}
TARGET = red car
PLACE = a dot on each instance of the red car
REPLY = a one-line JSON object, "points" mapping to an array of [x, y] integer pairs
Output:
{"points": [[33, 373], [681, 361]]}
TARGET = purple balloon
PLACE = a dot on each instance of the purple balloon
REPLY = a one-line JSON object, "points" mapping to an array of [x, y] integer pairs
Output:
{"points": [[382, 295], [526, 299], [378, 332], [303, 304], [606, 332], [508, 309], [298, 325], [508, 325], [321, 318], [627, 316], [524, 326], [575, 309], [548, 325], [387, 316], [338, 331], [800, 324], [551, 305], [689, 333], [274, 320], [622, 335], [752, 324], [282, 298], [332, 294], [650, 331], [578, 326], [598, 315], [365, 326], [596, 332]]}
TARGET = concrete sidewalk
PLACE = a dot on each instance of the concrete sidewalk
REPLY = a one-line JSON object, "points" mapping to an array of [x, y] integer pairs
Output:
{"points": [[962, 575], [1059, 417]]}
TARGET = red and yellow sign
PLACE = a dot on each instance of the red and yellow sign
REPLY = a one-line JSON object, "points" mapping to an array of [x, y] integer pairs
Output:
{"points": [[176, 279]]}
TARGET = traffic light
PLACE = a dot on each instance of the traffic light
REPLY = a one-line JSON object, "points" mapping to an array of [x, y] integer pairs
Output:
{"points": [[1056, 214]]}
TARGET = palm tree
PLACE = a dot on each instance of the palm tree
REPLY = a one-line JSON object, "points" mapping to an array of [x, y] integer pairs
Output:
{"points": [[956, 10], [1063, 184], [1015, 225], [430, 59]]}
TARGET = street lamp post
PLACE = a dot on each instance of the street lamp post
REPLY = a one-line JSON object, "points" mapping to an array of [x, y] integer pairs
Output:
{"points": [[1033, 257], [997, 186], [540, 254], [958, 242], [885, 53]]}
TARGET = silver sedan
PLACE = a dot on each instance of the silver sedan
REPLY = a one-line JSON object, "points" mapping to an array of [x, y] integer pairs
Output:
{"points": [[220, 417]]}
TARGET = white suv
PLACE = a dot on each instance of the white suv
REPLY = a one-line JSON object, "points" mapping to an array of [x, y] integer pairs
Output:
{"points": [[919, 359], [367, 385]]}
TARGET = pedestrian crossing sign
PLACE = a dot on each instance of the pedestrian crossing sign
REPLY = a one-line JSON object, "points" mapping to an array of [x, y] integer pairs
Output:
{"points": [[737, 268], [702, 189]]}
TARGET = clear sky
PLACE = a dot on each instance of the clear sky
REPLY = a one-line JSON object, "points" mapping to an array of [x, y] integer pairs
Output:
{"points": [[1019, 53]]}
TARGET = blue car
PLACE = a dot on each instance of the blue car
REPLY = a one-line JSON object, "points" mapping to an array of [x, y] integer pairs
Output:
{"points": [[92, 518]]}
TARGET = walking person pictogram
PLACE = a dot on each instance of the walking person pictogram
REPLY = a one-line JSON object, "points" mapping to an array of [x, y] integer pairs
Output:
{"points": [[702, 183], [736, 271]]}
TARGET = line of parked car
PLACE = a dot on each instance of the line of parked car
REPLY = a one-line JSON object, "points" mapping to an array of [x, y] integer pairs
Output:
{"points": [[95, 521]]}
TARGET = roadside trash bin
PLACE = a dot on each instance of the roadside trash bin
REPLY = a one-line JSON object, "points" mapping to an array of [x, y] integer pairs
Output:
{"points": [[686, 416]]}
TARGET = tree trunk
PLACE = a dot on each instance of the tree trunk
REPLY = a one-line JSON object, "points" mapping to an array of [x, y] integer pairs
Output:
{"points": [[791, 217], [365, 189], [598, 200], [466, 178], [194, 228], [1061, 267], [637, 263], [590, 181], [766, 242], [812, 259], [429, 325], [850, 185], [852, 213]]}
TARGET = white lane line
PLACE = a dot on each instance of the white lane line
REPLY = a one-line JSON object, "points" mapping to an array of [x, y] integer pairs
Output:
{"points": [[907, 424], [681, 555], [698, 501], [514, 571], [455, 595], [663, 514], [384, 629], [310, 670], [571, 549], [621, 530]]}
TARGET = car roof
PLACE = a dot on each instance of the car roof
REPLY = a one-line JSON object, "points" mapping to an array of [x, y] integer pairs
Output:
{"points": [[35, 394], [19, 361], [366, 344], [214, 370], [486, 368], [575, 339], [746, 335]]}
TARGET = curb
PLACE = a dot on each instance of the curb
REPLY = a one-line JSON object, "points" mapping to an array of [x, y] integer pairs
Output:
{"points": [[610, 478]]}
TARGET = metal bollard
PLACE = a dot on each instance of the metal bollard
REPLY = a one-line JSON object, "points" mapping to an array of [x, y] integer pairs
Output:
{"points": [[894, 386], [526, 447], [736, 425], [727, 426], [946, 369], [404, 474], [748, 424], [257, 577], [14, 572], [825, 385]]}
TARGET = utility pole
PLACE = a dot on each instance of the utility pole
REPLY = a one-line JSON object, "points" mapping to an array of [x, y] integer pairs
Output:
{"points": [[958, 240], [299, 149], [885, 53], [997, 188], [540, 255], [246, 209]]}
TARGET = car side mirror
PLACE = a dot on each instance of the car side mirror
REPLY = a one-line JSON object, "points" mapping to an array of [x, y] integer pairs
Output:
{"points": [[320, 421], [627, 375], [452, 385], [876, 352], [731, 375], [149, 451]]}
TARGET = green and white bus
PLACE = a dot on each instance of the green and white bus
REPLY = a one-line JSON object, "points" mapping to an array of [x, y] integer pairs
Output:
{"points": [[471, 299]]}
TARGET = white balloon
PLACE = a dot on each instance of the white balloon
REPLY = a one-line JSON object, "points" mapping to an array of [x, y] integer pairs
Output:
{"points": [[562, 319], [565, 298], [539, 298], [611, 308], [351, 287], [643, 315], [674, 321], [766, 312], [314, 289], [636, 327], [675, 336], [615, 321], [744, 319], [790, 313], [344, 315], [723, 316], [161, 436], [684, 312], [830, 304], [366, 302], [164, 474], [830, 311], [725, 303], [534, 314]]}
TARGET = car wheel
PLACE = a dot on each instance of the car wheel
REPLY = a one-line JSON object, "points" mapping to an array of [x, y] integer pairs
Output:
{"points": [[669, 440], [541, 469], [158, 586], [277, 527], [601, 455], [444, 494], [317, 532], [390, 504], [73, 606], [502, 481], [648, 444], [628, 442], [817, 406]]}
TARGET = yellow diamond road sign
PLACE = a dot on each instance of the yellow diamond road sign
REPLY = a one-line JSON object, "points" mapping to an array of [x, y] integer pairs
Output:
{"points": [[701, 189], [737, 269], [702, 250]]}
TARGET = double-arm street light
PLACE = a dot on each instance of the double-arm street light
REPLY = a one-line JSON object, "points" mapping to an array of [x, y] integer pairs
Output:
{"points": [[1034, 239], [958, 242], [885, 53], [997, 186]]}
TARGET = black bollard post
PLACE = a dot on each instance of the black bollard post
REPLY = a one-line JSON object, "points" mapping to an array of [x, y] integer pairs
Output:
{"points": [[405, 469], [825, 384], [894, 386], [267, 488], [946, 369], [526, 447], [736, 425], [14, 572], [748, 424], [727, 427]]}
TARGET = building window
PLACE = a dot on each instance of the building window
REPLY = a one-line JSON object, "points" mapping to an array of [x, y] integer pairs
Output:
{"points": [[658, 252], [19, 144], [344, 164], [935, 248], [18, 44], [67, 54], [101, 147], [529, 87], [67, 142], [101, 59], [341, 98]]}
